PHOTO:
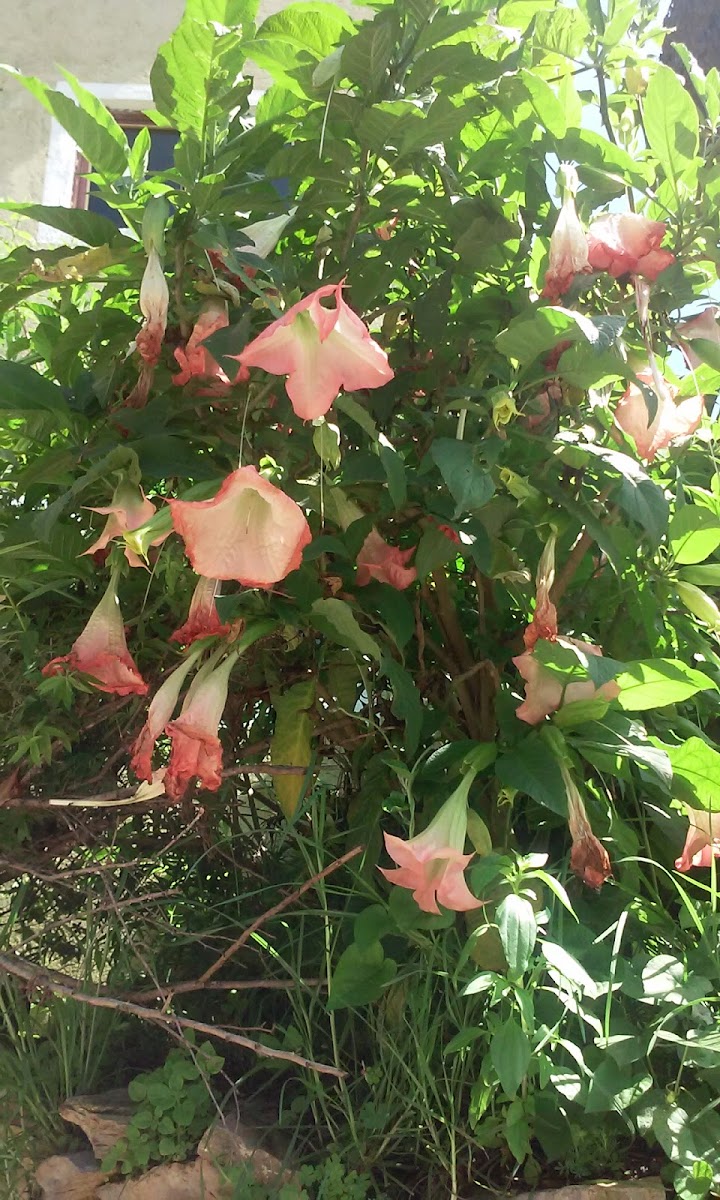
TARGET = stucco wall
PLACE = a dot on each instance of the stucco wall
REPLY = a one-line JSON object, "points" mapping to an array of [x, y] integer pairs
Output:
{"points": [[99, 41]]}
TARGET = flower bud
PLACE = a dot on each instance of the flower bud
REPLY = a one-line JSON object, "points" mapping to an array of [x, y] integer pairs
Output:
{"points": [[699, 604], [157, 211]]}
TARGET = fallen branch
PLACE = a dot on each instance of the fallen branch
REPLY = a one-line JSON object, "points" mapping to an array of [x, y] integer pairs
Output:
{"points": [[123, 797], [277, 908], [223, 985], [64, 985]]}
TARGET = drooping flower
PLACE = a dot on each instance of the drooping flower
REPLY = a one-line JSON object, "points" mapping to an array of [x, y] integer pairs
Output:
{"points": [[545, 692], [161, 709], [250, 531], [196, 361], [544, 623], [627, 243], [432, 864], [702, 842], [203, 619], [387, 564], [568, 244], [129, 510], [196, 749], [101, 651], [671, 420], [704, 326], [320, 350], [154, 300], [589, 859]]}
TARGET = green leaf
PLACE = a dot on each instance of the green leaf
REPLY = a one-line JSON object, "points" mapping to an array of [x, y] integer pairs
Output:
{"points": [[228, 13], [367, 55], [307, 31], [407, 703], [671, 123], [639, 496], [533, 333], [87, 227], [337, 620], [694, 1181], [434, 550], [518, 930], [360, 977], [183, 73], [394, 466], [355, 411], [693, 534], [469, 483], [88, 122], [696, 773], [546, 106], [532, 768], [569, 968], [510, 1055], [291, 743], [24, 391], [657, 682]]}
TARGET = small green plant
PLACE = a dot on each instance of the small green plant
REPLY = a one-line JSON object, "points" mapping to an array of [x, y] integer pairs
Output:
{"points": [[326, 1180], [174, 1108]]}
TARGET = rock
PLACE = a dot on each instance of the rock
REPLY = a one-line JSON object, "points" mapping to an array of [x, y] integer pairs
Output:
{"points": [[103, 1119], [69, 1177], [651, 1188], [169, 1181], [233, 1143]]}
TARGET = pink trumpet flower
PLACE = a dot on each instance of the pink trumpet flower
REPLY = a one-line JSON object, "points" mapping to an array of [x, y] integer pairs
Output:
{"points": [[250, 531], [161, 709], [627, 243], [320, 350], [377, 560], [671, 420], [154, 299], [129, 510], [196, 361], [702, 843], [202, 620], [568, 244], [545, 693], [432, 864], [704, 326], [196, 748], [101, 651]]}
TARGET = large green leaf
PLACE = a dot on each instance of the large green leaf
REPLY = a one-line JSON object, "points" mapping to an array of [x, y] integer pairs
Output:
{"points": [[510, 1055], [534, 332], [657, 682], [338, 621], [24, 390], [642, 499], [693, 534], [671, 123], [407, 704], [183, 73], [229, 13], [468, 481], [360, 977], [307, 31], [367, 55], [291, 743], [518, 930], [84, 226], [696, 773], [88, 122], [532, 768]]}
